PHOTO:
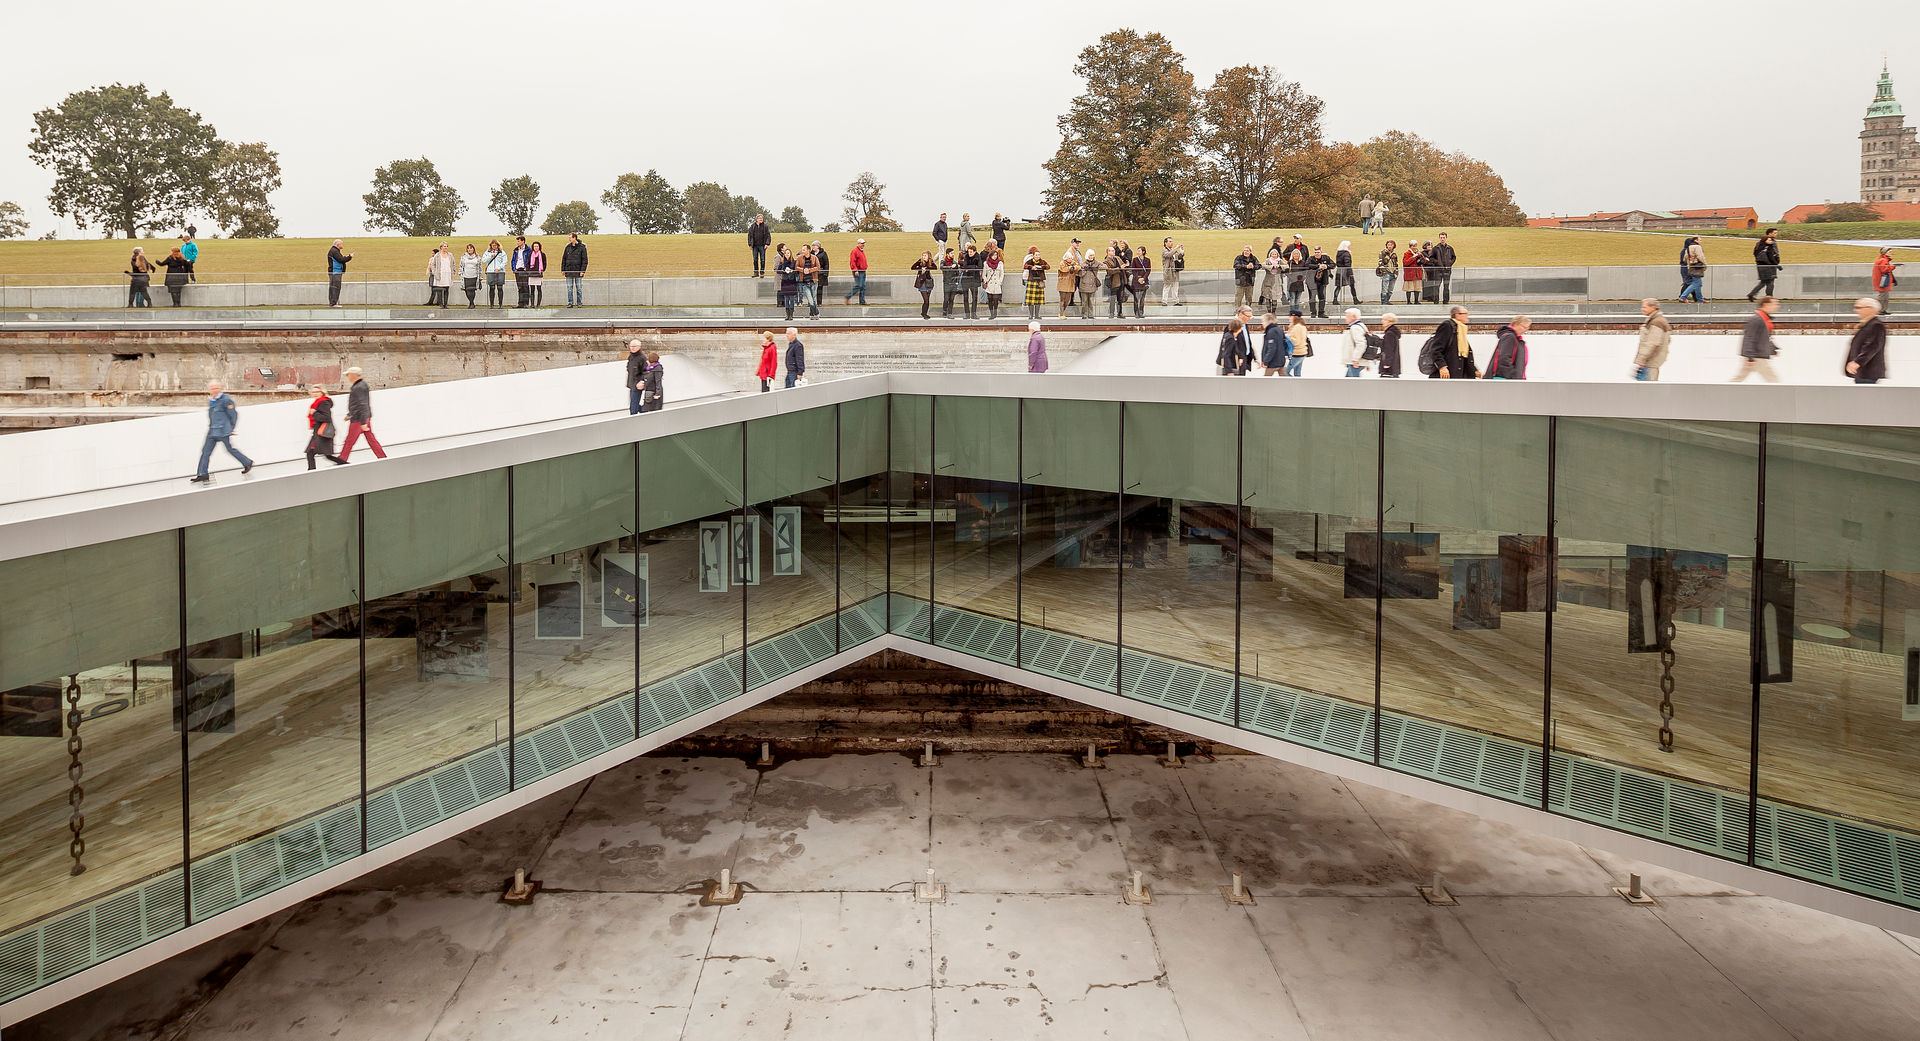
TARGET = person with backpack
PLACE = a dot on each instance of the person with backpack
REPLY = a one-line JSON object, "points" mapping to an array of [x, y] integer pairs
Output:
{"points": [[1656, 335], [1756, 344], [1447, 355], [1766, 262], [1693, 270], [1353, 346], [1274, 348], [1509, 361]]}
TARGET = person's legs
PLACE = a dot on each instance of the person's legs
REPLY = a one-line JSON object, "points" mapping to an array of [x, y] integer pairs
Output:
{"points": [[1140, 303], [373, 443], [926, 303], [245, 463], [1354, 370], [790, 380], [310, 454], [206, 455], [174, 291], [1865, 379], [1293, 364], [353, 437], [1764, 366], [1883, 296], [759, 261], [1446, 287], [1066, 301], [634, 402]]}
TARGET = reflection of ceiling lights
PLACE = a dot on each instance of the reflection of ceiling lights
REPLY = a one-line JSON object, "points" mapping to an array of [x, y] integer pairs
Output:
{"points": [[1825, 631]]}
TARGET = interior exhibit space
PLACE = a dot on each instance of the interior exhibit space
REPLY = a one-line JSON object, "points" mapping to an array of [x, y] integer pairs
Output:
{"points": [[1679, 622]]}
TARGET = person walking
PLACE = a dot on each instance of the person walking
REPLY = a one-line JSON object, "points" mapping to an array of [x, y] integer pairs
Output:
{"points": [[1387, 269], [440, 274], [1092, 273], [1867, 350], [139, 278], [1236, 344], [1656, 335], [971, 264], [964, 234], [1389, 346], [470, 271], [1883, 280], [222, 419], [179, 272], [1036, 347], [320, 428], [1441, 261], [1693, 269], [924, 271], [360, 415], [1756, 344], [337, 260], [1412, 273], [1366, 213], [1274, 348], [1509, 361], [1270, 279], [796, 358], [807, 266], [1000, 227], [190, 249], [654, 398], [1322, 274], [573, 266], [494, 261], [1343, 273], [1244, 267], [1173, 260], [769, 361], [1068, 276], [993, 278], [857, 264], [536, 272], [1036, 268], [1453, 354], [1301, 340], [637, 377], [949, 283], [1140, 269], [1380, 217], [759, 236], [1353, 345], [1766, 263]]}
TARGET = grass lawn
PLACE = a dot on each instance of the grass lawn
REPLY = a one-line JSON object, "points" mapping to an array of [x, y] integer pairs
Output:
{"points": [[279, 260], [1891, 229]]}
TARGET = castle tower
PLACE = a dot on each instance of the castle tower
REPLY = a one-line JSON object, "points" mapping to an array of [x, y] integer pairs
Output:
{"points": [[1889, 154]]}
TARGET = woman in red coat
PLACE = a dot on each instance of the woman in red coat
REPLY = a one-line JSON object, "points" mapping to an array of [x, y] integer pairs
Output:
{"points": [[1411, 272], [769, 362]]}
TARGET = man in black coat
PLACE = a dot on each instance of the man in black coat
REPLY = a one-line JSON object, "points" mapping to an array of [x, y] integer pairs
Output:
{"points": [[573, 264], [759, 236], [1244, 267], [1867, 351], [796, 357], [360, 416], [1322, 272], [940, 237], [1453, 353], [1766, 263], [636, 376], [1441, 267]]}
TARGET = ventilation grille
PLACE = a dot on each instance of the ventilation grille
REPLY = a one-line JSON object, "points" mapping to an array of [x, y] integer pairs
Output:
{"points": [[65, 943]]}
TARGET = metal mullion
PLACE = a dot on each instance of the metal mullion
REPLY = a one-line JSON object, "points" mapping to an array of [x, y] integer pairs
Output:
{"points": [[746, 528], [1239, 542], [838, 528], [1553, 599], [1754, 645], [513, 592], [1120, 571], [1379, 567], [1020, 529], [635, 446], [180, 708], [360, 522], [933, 498]]}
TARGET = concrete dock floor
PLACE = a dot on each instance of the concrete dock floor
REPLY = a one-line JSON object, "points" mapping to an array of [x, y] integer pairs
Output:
{"points": [[1033, 940]]}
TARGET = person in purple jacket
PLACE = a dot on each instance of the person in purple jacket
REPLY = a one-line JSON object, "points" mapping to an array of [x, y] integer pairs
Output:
{"points": [[1036, 348]]}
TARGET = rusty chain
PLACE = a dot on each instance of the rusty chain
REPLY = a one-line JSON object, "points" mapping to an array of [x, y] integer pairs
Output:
{"points": [[76, 795], [1666, 686]]}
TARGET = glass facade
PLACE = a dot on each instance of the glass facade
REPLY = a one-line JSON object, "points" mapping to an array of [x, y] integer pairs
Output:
{"points": [[1706, 633]]}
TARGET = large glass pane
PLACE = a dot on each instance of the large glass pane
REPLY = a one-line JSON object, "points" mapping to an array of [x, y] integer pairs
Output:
{"points": [[910, 515], [272, 699], [1070, 553], [1182, 542], [689, 518], [580, 598], [1306, 657], [438, 628], [790, 486], [1656, 525], [100, 624], [860, 520], [1462, 574], [976, 493], [1840, 658]]}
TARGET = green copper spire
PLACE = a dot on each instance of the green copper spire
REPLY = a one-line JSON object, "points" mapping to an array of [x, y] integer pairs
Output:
{"points": [[1883, 103]]}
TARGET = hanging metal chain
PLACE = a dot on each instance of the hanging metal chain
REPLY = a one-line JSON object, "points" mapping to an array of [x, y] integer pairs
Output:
{"points": [[1666, 687], [76, 795]]}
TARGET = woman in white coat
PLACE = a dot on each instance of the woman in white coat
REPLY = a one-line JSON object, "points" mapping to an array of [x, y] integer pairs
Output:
{"points": [[440, 274]]}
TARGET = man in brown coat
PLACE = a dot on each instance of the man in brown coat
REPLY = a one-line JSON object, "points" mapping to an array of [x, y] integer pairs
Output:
{"points": [[1656, 335]]}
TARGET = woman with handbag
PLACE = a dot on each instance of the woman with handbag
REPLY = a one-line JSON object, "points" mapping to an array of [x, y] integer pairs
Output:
{"points": [[320, 428], [1302, 345], [923, 270], [140, 276], [494, 262], [993, 277]]}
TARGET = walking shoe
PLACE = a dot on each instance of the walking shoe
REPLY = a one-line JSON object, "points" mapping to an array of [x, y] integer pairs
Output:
{"points": [[247, 469], [202, 479]]}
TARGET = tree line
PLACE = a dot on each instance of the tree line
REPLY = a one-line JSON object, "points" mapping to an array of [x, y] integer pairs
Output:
{"points": [[1140, 147]]}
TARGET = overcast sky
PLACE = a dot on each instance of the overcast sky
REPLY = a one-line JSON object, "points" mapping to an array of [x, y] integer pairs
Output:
{"points": [[1626, 104]]}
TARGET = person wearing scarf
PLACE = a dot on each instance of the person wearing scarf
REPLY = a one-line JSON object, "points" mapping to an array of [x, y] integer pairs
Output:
{"points": [[1456, 354]]}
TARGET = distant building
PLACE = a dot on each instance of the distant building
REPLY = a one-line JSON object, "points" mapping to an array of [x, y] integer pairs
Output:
{"points": [[1889, 155], [1887, 210], [1718, 219]]}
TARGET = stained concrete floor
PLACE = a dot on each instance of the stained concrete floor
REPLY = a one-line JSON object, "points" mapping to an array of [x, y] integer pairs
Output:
{"points": [[1033, 940]]}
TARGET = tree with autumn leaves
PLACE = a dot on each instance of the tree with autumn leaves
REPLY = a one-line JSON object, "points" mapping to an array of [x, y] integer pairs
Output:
{"points": [[1140, 148]]}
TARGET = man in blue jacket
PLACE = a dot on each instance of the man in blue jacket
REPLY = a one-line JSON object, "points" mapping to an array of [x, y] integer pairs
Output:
{"points": [[521, 253], [337, 260], [222, 418], [796, 356]]}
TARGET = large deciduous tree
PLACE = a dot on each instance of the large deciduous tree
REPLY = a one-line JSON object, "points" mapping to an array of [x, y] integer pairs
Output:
{"points": [[243, 176], [795, 219], [867, 210], [1123, 159], [647, 203], [515, 202], [408, 197], [709, 208], [745, 209], [570, 218], [1261, 160], [13, 220], [1424, 186], [124, 159]]}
